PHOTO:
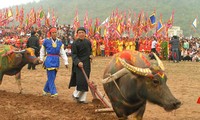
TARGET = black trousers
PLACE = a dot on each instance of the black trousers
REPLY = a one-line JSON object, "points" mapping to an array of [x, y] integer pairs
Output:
{"points": [[154, 50]]}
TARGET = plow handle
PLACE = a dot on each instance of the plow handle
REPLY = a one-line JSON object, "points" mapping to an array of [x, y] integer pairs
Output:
{"points": [[95, 92], [89, 84]]}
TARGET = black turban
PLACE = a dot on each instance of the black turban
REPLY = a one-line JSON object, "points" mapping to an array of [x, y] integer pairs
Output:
{"points": [[81, 29]]}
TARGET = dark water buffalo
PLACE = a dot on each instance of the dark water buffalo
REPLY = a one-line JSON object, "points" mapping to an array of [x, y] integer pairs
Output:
{"points": [[12, 61], [143, 80]]}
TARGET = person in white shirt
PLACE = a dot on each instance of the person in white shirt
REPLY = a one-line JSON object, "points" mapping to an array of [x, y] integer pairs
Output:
{"points": [[153, 47]]}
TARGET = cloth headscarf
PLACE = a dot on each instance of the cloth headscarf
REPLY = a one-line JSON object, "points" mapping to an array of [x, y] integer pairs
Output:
{"points": [[50, 31], [53, 30]]}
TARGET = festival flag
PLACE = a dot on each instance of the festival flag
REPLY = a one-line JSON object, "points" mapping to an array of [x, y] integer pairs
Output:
{"points": [[160, 26], [27, 21], [198, 101], [152, 19], [21, 16], [97, 27], [105, 32], [146, 24], [38, 19], [9, 13], [85, 24], [3, 18], [47, 22], [117, 32], [116, 16], [139, 20], [170, 22], [7, 17], [139, 25], [17, 14], [38, 22], [105, 21], [53, 19], [32, 17], [1, 15], [90, 29], [76, 23], [194, 23], [129, 24], [119, 28], [47, 19], [41, 14]]}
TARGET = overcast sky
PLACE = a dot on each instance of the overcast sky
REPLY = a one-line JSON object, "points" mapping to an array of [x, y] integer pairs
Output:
{"points": [[9, 3]]}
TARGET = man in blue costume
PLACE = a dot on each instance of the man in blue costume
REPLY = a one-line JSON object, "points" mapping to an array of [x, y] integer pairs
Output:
{"points": [[52, 48], [81, 56]]}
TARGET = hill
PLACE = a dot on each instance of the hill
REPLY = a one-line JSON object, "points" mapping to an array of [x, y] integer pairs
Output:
{"points": [[185, 11]]}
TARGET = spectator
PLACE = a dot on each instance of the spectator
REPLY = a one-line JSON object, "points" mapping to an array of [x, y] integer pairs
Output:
{"points": [[102, 48], [33, 42], [175, 48]]}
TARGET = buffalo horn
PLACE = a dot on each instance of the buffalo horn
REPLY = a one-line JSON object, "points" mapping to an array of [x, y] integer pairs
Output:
{"points": [[137, 70], [160, 64], [20, 51]]}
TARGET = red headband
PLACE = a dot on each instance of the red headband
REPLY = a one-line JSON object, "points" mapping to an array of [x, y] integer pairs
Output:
{"points": [[53, 30]]}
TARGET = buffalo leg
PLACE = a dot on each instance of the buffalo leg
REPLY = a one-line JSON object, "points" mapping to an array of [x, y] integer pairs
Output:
{"points": [[140, 112], [18, 80], [1, 77], [120, 113]]}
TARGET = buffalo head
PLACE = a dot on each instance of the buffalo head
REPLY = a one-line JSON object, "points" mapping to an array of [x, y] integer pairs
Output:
{"points": [[144, 81], [29, 55]]}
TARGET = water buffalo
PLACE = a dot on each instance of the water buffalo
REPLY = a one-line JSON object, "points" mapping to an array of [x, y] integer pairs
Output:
{"points": [[12, 61], [142, 80]]}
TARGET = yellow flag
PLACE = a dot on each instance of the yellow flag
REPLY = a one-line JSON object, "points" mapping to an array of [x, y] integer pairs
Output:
{"points": [[119, 28], [105, 32], [9, 13]]}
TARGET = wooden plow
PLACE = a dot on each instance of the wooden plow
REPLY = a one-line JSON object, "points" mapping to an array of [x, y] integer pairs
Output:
{"points": [[97, 95]]}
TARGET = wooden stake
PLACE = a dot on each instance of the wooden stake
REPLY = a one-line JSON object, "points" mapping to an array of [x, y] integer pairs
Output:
{"points": [[104, 110]]}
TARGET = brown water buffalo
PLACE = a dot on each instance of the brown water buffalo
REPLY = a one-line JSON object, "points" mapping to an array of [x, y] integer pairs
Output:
{"points": [[142, 80], [12, 61]]}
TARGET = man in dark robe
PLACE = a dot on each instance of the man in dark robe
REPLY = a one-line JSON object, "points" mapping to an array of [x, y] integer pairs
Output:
{"points": [[81, 56], [33, 42]]}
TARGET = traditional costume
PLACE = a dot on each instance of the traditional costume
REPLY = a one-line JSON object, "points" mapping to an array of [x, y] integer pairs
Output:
{"points": [[54, 49], [81, 52]]}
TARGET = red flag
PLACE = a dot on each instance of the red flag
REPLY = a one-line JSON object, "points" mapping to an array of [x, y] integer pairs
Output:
{"points": [[198, 101], [90, 29], [47, 19], [170, 21], [27, 21], [53, 19], [38, 20], [32, 17], [17, 14], [76, 24], [21, 16], [85, 24], [97, 28]]}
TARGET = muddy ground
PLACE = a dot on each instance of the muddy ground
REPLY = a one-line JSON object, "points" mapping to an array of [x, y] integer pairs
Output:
{"points": [[183, 80]]}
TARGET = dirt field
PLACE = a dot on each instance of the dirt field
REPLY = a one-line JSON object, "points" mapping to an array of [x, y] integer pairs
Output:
{"points": [[183, 80]]}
